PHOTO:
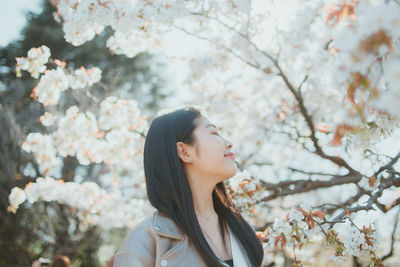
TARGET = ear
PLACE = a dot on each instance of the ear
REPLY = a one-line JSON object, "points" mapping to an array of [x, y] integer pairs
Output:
{"points": [[183, 152]]}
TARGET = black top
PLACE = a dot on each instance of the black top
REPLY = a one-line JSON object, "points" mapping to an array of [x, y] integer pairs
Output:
{"points": [[230, 262]]}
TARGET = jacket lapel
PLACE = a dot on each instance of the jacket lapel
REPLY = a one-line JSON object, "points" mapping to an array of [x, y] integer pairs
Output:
{"points": [[238, 253], [165, 226]]}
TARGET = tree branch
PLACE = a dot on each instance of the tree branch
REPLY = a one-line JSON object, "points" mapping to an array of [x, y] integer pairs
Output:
{"points": [[390, 254], [300, 186], [384, 184]]}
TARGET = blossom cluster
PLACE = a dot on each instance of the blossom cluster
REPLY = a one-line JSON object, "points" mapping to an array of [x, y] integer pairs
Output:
{"points": [[299, 230], [34, 63], [93, 204], [110, 139], [132, 22], [365, 52], [47, 119], [245, 190], [114, 138], [357, 242], [44, 150], [82, 77], [138, 25], [54, 82]]}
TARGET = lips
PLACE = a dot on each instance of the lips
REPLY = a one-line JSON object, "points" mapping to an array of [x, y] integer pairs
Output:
{"points": [[230, 155]]}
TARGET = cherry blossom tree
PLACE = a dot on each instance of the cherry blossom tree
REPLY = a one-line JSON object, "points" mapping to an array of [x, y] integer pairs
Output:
{"points": [[307, 91]]}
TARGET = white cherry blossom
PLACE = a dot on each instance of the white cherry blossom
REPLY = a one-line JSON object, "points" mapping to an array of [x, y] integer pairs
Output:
{"points": [[35, 62]]}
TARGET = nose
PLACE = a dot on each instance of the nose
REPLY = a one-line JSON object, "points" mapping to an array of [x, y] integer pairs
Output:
{"points": [[229, 144]]}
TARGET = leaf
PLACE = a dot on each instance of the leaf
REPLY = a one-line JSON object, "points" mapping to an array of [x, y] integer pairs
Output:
{"points": [[283, 243], [319, 214], [302, 211], [339, 133], [312, 222], [243, 183], [277, 239], [251, 193], [368, 241], [33, 93], [337, 12], [371, 180], [60, 63], [322, 127]]}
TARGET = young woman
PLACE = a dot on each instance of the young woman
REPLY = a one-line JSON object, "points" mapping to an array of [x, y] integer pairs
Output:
{"points": [[196, 223]]}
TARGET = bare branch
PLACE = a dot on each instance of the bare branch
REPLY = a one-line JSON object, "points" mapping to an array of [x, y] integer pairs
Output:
{"points": [[389, 165], [256, 66], [345, 204], [384, 184], [311, 173], [318, 150], [390, 254], [302, 82], [300, 186]]}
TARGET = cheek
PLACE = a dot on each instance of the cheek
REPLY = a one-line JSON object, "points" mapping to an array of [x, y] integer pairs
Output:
{"points": [[212, 156], [214, 148], [213, 162], [211, 150]]}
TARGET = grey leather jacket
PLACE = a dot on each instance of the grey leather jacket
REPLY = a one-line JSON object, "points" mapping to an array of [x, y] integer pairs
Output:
{"points": [[157, 241]]}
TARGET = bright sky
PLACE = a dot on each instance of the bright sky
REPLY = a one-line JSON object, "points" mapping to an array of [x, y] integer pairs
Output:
{"points": [[12, 18]]}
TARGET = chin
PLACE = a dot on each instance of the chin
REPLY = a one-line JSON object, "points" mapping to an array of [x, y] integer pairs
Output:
{"points": [[234, 172], [230, 174]]}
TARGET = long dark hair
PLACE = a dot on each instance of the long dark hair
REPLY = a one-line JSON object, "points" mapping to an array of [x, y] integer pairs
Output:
{"points": [[169, 192]]}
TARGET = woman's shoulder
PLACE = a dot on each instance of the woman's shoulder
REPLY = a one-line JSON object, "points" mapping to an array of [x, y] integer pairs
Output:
{"points": [[138, 248], [142, 230]]}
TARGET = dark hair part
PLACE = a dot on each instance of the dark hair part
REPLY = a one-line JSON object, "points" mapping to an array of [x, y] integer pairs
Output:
{"points": [[169, 192]]}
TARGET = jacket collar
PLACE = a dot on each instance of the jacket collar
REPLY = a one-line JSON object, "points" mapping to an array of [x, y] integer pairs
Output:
{"points": [[165, 226]]}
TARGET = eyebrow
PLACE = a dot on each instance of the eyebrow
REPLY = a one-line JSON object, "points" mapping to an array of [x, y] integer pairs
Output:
{"points": [[210, 124]]}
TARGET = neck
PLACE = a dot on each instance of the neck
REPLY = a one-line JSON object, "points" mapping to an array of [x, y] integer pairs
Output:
{"points": [[202, 195]]}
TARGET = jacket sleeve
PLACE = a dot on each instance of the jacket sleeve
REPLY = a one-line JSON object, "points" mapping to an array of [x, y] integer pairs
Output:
{"points": [[126, 259], [138, 248]]}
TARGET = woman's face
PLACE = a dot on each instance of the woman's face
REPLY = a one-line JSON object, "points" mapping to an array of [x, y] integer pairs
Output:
{"points": [[211, 155]]}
